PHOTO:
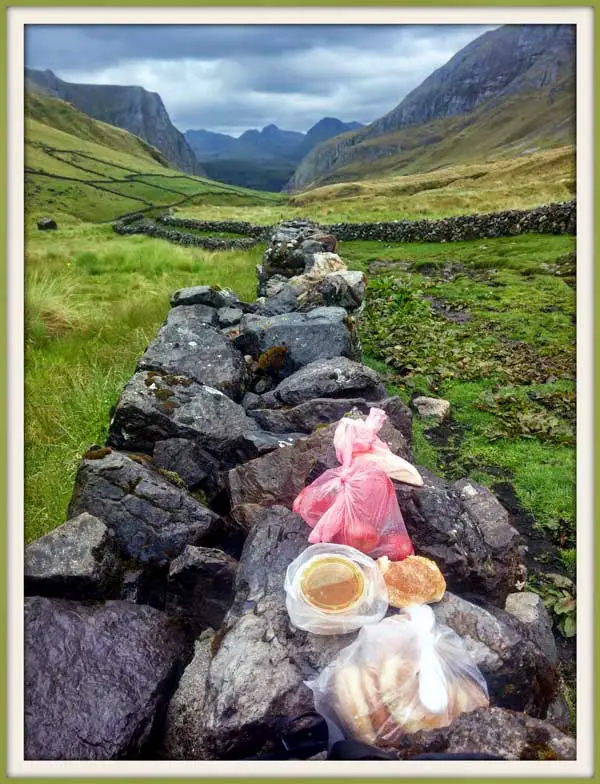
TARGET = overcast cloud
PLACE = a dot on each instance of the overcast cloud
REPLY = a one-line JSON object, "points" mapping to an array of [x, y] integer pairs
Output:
{"points": [[228, 78]]}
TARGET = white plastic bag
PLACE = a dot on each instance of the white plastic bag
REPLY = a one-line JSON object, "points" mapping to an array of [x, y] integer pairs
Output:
{"points": [[334, 589], [399, 676]]}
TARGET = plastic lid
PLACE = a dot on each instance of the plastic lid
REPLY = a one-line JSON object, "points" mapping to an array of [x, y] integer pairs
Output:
{"points": [[332, 583]]}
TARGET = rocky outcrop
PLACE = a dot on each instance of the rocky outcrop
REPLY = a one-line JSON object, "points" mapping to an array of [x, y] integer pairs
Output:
{"points": [[97, 678], [132, 108]]}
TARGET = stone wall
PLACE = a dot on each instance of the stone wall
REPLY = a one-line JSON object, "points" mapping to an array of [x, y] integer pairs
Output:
{"points": [[161, 599], [153, 229]]}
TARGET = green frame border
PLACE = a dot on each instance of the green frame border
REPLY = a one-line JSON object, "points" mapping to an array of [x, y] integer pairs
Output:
{"points": [[4, 370]]}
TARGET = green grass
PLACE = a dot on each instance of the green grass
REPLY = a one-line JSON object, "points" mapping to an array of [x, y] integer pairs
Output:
{"points": [[508, 371], [94, 302]]}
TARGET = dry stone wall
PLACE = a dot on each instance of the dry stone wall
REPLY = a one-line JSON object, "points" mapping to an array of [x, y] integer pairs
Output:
{"points": [[161, 599]]}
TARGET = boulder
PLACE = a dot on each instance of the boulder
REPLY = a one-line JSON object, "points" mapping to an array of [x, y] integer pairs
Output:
{"points": [[97, 678], [153, 518], [193, 464], [432, 407], [228, 317], [255, 688], [184, 724], [304, 337], [477, 553], [493, 731], [529, 608], [211, 296], [200, 587], [399, 414], [155, 407], [47, 224], [317, 266], [275, 284], [338, 377], [278, 477], [285, 300], [518, 674], [77, 560], [345, 288], [187, 345]]}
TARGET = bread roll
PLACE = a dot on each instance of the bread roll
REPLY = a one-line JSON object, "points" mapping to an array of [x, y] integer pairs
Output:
{"points": [[350, 703], [415, 580]]}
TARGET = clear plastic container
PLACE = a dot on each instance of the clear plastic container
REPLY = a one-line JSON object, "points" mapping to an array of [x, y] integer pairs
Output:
{"points": [[334, 589]]}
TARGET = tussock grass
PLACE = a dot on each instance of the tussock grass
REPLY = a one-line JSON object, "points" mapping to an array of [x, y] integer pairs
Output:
{"points": [[94, 301]]}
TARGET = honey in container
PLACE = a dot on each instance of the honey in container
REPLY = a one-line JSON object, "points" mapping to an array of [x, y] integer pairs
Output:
{"points": [[334, 589], [332, 583]]}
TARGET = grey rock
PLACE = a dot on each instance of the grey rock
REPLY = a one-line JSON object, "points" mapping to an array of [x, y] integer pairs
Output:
{"points": [[193, 464], [339, 377], [399, 415], [432, 407], [145, 586], [153, 519], [275, 284], [559, 713], [277, 478], [250, 400], [529, 608], [255, 686], [494, 731], [284, 301], [273, 420], [228, 317], [47, 224], [518, 674], [200, 587], [205, 295], [475, 555], [184, 724], [186, 345], [77, 560], [306, 337], [97, 677], [345, 289], [153, 408]]}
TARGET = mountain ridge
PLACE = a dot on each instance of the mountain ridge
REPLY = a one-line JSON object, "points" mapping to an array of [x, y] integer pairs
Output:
{"points": [[493, 70], [130, 107]]}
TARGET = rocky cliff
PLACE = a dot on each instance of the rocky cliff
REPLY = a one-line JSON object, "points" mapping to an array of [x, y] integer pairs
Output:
{"points": [[511, 61], [132, 108]]}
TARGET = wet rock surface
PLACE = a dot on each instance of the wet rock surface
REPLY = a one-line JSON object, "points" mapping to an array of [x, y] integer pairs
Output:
{"points": [[79, 559], [474, 545], [152, 518], [97, 677], [200, 587]]}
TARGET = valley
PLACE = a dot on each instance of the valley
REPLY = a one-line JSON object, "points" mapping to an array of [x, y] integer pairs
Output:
{"points": [[487, 324]]}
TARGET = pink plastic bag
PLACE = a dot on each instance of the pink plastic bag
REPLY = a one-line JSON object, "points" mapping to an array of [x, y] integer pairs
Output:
{"points": [[355, 505], [357, 440]]}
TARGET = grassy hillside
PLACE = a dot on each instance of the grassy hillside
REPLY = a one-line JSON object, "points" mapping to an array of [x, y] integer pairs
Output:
{"points": [[521, 123], [78, 168]]}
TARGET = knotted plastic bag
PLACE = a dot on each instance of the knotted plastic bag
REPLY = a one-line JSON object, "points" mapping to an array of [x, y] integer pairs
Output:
{"points": [[356, 503], [334, 589], [404, 674]]}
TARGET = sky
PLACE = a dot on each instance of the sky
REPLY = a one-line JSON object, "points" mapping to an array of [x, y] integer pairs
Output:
{"points": [[228, 78]]}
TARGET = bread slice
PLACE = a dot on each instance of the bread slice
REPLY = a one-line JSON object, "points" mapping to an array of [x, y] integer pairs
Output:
{"points": [[415, 580], [351, 705]]}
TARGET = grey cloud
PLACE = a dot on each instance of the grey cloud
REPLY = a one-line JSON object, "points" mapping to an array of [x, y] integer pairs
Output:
{"points": [[231, 77]]}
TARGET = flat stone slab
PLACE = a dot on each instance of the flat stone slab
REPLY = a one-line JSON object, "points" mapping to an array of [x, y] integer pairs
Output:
{"points": [[97, 677], [78, 560], [187, 345]]}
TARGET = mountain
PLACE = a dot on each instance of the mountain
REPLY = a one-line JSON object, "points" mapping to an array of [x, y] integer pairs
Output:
{"points": [[132, 108], [511, 89], [263, 159]]}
